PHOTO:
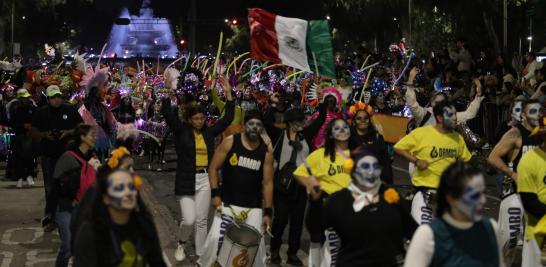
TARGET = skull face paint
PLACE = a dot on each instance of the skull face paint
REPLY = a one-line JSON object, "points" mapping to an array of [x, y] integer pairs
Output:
{"points": [[341, 131], [471, 203], [122, 193], [533, 113], [450, 118], [367, 172], [516, 111], [253, 128]]}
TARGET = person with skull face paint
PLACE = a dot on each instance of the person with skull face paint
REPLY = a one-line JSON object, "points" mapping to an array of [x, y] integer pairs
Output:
{"points": [[374, 221], [459, 235], [290, 204], [116, 229], [246, 192], [322, 174], [432, 149], [505, 157], [194, 145], [531, 185]]}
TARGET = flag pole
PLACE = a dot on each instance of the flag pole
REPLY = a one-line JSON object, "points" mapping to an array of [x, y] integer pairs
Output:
{"points": [[316, 65]]}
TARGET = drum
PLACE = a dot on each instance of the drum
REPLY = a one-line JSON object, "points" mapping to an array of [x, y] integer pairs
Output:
{"points": [[240, 246]]}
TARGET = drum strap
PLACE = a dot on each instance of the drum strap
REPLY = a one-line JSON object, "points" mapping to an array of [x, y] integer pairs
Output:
{"points": [[242, 216]]}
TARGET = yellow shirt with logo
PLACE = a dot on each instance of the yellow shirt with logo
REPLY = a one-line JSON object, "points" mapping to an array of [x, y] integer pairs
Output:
{"points": [[201, 155], [438, 149], [330, 175], [532, 179]]}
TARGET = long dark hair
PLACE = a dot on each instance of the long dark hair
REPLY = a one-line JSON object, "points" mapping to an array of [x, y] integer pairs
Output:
{"points": [[330, 143], [97, 109], [79, 131], [452, 182]]}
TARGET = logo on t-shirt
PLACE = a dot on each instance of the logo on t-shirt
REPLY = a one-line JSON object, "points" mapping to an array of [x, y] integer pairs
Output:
{"points": [[443, 152], [333, 170], [65, 117], [544, 179], [245, 162], [525, 149]]}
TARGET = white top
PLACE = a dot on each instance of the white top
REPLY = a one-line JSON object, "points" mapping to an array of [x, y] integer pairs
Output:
{"points": [[421, 248]]}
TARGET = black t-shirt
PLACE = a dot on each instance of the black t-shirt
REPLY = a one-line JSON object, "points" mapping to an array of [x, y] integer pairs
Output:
{"points": [[48, 118], [242, 175], [372, 236]]}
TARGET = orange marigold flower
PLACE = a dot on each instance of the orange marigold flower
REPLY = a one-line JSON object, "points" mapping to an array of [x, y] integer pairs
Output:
{"points": [[137, 181], [348, 166], [391, 196]]}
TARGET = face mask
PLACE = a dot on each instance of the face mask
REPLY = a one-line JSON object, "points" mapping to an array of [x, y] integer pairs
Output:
{"points": [[450, 118], [472, 201], [367, 172], [340, 131], [253, 128], [122, 193], [533, 114], [516, 111]]}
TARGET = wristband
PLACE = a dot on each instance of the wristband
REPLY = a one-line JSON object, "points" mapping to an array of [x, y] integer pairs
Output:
{"points": [[214, 192], [268, 212]]}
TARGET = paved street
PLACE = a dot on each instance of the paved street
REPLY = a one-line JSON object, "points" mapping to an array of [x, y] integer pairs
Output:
{"points": [[24, 243]]}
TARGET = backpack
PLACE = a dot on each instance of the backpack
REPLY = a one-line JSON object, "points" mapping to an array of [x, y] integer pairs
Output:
{"points": [[87, 176]]}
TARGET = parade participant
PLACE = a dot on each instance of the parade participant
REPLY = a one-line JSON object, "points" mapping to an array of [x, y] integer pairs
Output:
{"points": [[332, 98], [291, 147], [432, 149], [126, 111], [24, 147], [246, 189], [365, 132], [117, 229], [375, 219], [459, 235], [322, 174], [157, 126], [194, 144], [95, 113], [531, 174], [74, 173], [424, 115], [505, 157], [52, 124]]}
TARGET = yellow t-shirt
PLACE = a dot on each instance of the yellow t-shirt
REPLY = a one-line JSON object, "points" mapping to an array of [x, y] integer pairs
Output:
{"points": [[201, 155], [330, 175], [438, 149], [532, 179]]}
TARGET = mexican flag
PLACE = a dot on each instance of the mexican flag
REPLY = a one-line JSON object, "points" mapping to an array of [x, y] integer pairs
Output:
{"points": [[291, 41]]}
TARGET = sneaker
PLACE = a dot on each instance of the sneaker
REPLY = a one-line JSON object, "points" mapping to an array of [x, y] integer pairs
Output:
{"points": [[275, 257], [30, 181], [20, 183], [294, 260], [159, 170], [163, 162], [149, 167], [179, 254]]}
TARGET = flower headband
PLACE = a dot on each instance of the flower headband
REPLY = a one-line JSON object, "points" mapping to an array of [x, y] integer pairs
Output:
{"points": [[359, 106], [113, 162]]}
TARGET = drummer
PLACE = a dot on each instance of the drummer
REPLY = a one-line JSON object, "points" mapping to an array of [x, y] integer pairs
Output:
{"points": [[247, 186]]}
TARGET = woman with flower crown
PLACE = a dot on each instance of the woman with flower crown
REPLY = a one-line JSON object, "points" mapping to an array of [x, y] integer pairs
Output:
{"points": [[375, 219]]}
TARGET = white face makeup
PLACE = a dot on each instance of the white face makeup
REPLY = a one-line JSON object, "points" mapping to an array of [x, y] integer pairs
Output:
{"points": [[516, 111], [253, 128], [340, 131], [450, 118], [367, 172], [473, 200], [532, 114], [122, 193]]}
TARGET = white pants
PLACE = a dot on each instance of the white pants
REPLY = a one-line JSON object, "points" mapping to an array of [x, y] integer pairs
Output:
{"points": [[510, 226], [531, 256], [420, 212], [217, 231], [195, 210]]}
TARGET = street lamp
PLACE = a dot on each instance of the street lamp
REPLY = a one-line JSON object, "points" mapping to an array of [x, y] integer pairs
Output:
{"points": [[530, 39], [328, 17]]}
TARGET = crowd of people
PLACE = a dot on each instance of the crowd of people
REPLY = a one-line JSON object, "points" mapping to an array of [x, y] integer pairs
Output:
{"points": [[266, 146]]}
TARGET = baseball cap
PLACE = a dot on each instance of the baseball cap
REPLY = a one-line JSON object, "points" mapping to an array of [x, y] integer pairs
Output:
{"points": [[53, 90], [22, 93]]}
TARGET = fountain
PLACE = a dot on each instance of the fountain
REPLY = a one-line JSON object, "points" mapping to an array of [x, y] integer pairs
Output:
{"points": [[144, 36]]}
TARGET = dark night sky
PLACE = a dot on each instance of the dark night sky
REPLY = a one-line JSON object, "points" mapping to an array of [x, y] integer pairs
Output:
{"points": [[210, 14]]}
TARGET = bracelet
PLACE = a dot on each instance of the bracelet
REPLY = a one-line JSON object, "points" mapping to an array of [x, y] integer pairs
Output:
{"points": [[214, 192], [268, 212]]}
